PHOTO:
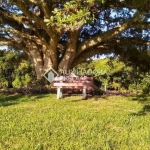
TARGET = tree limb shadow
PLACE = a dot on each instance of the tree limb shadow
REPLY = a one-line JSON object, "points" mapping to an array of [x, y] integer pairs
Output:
{"points": [[9, 100], [145, 110], [145, 100], [141, 98]]}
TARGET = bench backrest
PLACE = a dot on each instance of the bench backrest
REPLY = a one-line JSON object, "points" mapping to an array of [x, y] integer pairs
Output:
{"points": [[69, 79]]}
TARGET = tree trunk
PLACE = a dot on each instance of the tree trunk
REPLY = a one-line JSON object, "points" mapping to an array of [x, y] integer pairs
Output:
{"points": [[70, 51], [38, 62], [43, 58]]}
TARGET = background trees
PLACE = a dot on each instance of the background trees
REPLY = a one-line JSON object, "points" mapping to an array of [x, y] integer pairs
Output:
{"points": [[113, 74], [62, 33], [15, 70], [109, 73]]}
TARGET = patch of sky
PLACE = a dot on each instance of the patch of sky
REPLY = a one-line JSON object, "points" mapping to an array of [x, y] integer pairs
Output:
{"points": [[3, 48], [103, 56]]}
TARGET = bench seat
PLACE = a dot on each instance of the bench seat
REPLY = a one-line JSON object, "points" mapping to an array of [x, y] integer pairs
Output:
{"points": [[74, 82]]}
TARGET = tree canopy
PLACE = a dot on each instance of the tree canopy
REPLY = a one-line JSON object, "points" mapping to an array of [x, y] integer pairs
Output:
{"points": [[64, 33], [113, 74], [15, 70]]}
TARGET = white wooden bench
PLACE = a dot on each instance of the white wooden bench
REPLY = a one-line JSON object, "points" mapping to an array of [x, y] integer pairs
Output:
{"points": [[73, 82]]}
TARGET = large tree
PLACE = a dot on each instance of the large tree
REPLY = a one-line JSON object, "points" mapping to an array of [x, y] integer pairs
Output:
{"points": [[63, 33]]}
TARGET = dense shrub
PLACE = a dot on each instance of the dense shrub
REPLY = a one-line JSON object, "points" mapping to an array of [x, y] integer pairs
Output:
{"points": [[146, 89]]}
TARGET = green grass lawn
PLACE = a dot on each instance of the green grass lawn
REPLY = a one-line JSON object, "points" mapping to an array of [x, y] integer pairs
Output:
{"points": [[42, 122]]}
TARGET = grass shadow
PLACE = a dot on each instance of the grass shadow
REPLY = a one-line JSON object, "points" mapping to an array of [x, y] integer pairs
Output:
{"points": [[9, 100], [7, 104], [141, 98], [77, 100], [37, 97], [93, 98], [145, 110], [145, 101]]}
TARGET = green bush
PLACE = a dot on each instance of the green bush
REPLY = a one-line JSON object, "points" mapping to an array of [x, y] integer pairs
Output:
{"points": [[17, 82], [146, 89]]}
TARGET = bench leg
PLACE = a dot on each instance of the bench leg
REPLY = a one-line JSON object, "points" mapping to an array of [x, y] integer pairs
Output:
{"points": [[59, 92], [84, 93]]}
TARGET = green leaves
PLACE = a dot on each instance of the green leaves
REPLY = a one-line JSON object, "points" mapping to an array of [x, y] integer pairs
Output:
{"points": [[71, 14]]}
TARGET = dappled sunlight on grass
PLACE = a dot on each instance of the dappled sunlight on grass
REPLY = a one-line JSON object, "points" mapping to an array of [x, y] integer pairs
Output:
{"points": [[44, 122]]}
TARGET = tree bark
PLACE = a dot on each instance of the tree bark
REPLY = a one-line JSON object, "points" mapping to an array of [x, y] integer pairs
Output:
{"points": [[70, 51], [37, 61]]}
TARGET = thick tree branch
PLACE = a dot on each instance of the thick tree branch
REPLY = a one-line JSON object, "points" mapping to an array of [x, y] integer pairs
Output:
{"points": [[141, 25], [132, 40], [8, 43], [70, 51], [29, 14], [19, 34], [15, 44], [89, 53], [45, 8], [34, 2], [24, 36], [16, 21], [102, 37]]}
